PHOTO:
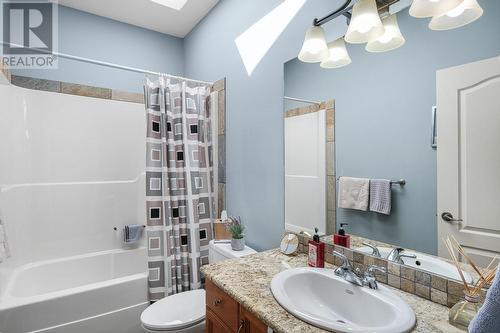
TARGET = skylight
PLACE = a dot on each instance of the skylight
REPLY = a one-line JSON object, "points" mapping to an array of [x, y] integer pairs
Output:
{"points": [[255, 42], [174, 4]]}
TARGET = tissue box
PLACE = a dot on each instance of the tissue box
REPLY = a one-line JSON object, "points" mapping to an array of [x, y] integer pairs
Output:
{"points": [[220, 231]]}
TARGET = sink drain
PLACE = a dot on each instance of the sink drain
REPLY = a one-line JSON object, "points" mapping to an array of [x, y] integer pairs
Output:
{"points": [[341, 321]]}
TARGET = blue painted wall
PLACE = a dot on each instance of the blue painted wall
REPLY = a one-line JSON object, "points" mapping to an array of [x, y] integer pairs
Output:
{"points": [[87, 35], [383, 113], [255, 184], [255, 107]]}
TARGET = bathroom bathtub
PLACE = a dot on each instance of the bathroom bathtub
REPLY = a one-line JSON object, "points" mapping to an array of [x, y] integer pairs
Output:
{"points": [[102, 292]]}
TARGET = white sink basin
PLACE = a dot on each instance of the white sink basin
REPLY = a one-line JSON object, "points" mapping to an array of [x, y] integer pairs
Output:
{"points": [[320, 298], [424, 262]]}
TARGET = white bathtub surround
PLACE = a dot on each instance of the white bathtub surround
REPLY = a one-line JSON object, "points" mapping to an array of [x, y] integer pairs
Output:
{"points": [[98, 290], [180, 188], [72, 168], [4, 244], [72, 174]]}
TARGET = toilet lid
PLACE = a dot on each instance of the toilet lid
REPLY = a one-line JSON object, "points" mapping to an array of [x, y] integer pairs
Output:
{"points": [[176, 311]]}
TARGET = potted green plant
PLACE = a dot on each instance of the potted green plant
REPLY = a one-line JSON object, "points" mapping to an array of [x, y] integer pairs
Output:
{"points": [[234, 225]]}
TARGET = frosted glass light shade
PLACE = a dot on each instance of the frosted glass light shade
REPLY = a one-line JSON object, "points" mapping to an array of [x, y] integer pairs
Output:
{"points": [[428, 8], [465, 13], [314, 48], [390, 40], [365, 23], [338, 55]]}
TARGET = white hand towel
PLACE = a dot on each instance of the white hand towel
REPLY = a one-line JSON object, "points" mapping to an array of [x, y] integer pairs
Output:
{"points": [[380, 196], [353, 193]]}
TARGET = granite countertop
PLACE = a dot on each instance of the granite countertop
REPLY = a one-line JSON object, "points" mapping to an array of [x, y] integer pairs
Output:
{"points": [[248, 281]]}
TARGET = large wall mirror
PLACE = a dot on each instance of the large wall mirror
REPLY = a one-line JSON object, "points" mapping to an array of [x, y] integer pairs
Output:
{"points": [[375, 120]]}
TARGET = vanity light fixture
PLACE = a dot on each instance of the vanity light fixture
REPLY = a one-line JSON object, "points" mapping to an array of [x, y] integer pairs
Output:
{"points": [[365, 24], [338, 55], [428, 8], [314, 48], [390, 40], [465, 13]]}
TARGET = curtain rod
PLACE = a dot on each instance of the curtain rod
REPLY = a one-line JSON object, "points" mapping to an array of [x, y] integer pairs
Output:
{"points": [[300, 100], [109, 64]]}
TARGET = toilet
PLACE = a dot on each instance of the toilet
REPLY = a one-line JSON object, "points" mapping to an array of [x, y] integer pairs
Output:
{"points": [[185, 312]]}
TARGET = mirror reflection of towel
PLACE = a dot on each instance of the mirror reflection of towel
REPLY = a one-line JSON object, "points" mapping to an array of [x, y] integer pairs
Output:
{"points": [[380, 196], [353, 193]]}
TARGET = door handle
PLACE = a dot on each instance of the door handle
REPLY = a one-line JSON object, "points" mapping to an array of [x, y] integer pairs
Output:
{"points": [[448, 217]]}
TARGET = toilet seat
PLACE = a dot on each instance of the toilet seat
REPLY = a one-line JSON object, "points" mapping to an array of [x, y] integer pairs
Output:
{"points": [[175, 312]]}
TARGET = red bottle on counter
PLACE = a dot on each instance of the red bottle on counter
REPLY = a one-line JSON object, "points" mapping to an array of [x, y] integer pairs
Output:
{"points": [[316, 257], [341, 238]]}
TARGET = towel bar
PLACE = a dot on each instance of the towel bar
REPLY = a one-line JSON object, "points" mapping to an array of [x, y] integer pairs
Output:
{"points": [[401, 182], [115, 228]]}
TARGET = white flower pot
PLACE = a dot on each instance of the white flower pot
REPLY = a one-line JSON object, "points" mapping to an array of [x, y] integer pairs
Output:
{"points": [[238, 244]]}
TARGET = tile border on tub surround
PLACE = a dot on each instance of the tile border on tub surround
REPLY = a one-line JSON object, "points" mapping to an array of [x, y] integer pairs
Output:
{"points": [[5, 73], [83, 90], [219, 87], [36, 84], [420, 283], [75, 89]]}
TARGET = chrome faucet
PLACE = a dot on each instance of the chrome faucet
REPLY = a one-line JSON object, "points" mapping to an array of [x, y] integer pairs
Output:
{"points": [[346, 271], [396, 255], [375, 251], [369, 278]]}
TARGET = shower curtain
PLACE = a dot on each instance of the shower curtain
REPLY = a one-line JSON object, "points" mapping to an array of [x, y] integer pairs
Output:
{"points": [[180, 191]]}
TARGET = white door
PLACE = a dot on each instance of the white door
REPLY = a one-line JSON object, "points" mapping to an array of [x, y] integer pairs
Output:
{"points": [[468, 157], [305, 172]]}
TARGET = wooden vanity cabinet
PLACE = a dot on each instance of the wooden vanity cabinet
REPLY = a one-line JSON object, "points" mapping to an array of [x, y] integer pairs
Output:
{"points": [[214, 325], [251, 324], [225, 315]]}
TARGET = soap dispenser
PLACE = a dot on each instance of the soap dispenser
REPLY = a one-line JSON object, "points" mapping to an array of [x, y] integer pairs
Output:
{"points": [[316, 251], [341, 238]]}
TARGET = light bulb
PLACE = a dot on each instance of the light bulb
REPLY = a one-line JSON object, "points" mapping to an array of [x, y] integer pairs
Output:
{"points": [[428, 8], [390, 40], [314, 48], [455, 12], [468, 11], [365, 23], [338, 55]]}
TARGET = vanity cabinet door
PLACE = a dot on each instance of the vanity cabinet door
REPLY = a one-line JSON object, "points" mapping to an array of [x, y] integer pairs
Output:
{"points": [[214, 325], [251, 324], [222, 305]]}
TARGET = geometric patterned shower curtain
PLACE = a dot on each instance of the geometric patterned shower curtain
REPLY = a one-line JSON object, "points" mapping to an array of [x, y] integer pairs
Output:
{"points": [[180, 187]]}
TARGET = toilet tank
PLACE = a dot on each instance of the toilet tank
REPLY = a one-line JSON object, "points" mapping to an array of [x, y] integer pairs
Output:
{"points": [[222, 251]]}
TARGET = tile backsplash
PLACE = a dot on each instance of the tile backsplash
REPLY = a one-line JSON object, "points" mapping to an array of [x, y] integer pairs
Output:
{"points": [[420, 283]]}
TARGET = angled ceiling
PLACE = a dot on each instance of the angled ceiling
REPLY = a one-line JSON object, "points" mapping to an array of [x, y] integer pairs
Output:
{"points": [[147, 13]]}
